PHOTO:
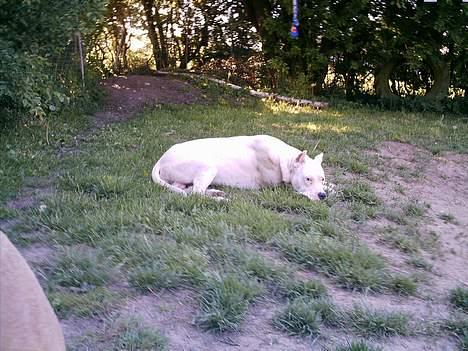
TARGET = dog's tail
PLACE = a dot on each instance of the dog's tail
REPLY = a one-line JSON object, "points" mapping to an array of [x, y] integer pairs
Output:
{"points": [[158, 180]]}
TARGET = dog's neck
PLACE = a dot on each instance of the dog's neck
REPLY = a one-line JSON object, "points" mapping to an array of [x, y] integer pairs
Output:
{"points": [[287, 166]]}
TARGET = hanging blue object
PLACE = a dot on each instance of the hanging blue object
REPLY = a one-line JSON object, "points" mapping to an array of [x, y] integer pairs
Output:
{"points": [[295, 22]]}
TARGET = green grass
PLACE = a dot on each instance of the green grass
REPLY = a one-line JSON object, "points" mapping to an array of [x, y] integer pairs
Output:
{"points": [[132, 334], [25, 154], [305, 316], [230, 253], [305, 288], [352, 264], [357, 346], [459, 298], [80, 267], [409, 239], [368, 322], [92, 303], [403, 285], [459, 328], [225, 301], [360, 192], [414, 208]]}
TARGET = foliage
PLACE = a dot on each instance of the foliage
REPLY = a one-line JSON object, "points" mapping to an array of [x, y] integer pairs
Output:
{"points": [[36, 74]]}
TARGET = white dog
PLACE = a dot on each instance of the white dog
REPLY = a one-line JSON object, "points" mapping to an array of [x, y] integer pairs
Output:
{"points": [[248, 162]]}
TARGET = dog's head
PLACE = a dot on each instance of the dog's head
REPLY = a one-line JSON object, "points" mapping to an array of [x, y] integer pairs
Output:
{"points": [[307, 176]]}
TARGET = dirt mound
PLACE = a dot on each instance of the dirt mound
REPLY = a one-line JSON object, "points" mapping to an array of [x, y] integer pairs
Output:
{"points": [[440, 182], [130, 94]]}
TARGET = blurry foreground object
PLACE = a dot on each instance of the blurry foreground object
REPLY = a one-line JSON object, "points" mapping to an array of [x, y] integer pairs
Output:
{"points": [[27, 321]]}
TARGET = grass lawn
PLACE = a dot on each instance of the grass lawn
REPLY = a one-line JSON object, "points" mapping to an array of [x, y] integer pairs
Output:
{"points": [[116, 236]]}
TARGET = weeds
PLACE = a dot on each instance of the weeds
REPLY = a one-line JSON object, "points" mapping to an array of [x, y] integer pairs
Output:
{"points": [[304, 316], [225, 301], [353, 265], [357, 346], [91, 303], [459, 298], [81, 267], [361, 192], [133, 335], [369, 322], [414, 208], [459, 328], [448, 218]]}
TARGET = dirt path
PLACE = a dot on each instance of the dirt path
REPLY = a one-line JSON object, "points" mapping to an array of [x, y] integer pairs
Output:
{"points": [[124, 98], [128, 95]]}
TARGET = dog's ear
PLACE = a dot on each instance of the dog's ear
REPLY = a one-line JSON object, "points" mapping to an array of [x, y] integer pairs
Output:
{"points": [[319, 157], [301, 157]]}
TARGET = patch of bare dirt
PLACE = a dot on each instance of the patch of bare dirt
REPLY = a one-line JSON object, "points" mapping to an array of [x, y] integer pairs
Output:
{"points": [[35, 189], [442, 184], [407, 172], [422, 309], [127, 95], [173, 314]]}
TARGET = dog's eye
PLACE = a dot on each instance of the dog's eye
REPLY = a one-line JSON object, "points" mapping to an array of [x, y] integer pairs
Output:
{"points": [[323, 179], [308, 179]]}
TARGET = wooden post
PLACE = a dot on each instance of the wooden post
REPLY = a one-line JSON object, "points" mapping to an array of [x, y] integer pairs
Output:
{"points": [[80, 48]]}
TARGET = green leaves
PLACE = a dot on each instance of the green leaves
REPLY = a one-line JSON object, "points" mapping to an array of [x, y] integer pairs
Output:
{"points": [[38, 66]]}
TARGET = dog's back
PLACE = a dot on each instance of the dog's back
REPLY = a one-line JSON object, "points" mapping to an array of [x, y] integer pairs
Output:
{"points": [[27, 321]]}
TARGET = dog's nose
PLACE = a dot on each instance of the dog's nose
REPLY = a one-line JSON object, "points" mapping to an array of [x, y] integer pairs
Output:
{"points": [[322, 195]]}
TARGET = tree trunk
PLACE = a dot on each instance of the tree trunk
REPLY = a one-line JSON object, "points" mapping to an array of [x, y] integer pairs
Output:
{"points": [[318, 80], [186, 42], [153, 36], [120, 51], [441, 71], [162, 39], [382, 76], [350, 82], [256, 11]]}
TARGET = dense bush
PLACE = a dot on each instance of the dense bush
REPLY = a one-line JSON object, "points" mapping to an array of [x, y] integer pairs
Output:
{"points": [[39, 67]]}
